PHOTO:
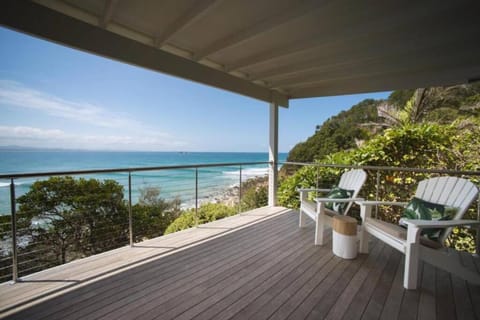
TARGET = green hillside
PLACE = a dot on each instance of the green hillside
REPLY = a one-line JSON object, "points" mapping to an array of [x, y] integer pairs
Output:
{"points": [[349, 129]]}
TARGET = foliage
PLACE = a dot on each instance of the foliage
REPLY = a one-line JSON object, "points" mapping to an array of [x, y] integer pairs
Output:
{"points": [[152, 214], [309, 177], [73, 218], [441, 105], [255, 194], [399, 98], [462, 239], [465, 145], [341, 132], [255, 198], [206, 213], [427, 145]]}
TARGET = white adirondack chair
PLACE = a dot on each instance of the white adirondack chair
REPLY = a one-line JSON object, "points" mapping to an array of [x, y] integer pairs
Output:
{"points": [[449, 191], [350, 180]]}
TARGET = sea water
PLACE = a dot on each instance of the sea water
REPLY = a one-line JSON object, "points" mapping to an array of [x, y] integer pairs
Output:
{"points": [[172, 183]]}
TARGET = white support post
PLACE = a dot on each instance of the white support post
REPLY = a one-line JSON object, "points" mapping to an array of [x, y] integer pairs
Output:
{"points": [[273, 156]]}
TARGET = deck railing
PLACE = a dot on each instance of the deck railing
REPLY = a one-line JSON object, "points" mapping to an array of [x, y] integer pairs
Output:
{"points": [[191, 184], [188, 185]]}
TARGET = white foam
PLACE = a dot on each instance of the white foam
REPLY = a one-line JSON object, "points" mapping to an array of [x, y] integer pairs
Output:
{"points": [[254, 172], [248, 173], [7, 184]]}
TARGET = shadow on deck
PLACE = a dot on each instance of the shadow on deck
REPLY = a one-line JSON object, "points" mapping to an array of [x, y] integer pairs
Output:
{"points": [[268, 268]]}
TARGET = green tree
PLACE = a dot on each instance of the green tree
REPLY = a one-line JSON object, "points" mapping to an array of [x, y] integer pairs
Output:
{"points": [[441, 105], [152, 214], [342, 132], [72, 218]]}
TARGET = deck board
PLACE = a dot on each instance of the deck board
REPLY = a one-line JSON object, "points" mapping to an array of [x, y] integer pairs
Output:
{"points": [[427, 303], [258, 265], [380, 293]]}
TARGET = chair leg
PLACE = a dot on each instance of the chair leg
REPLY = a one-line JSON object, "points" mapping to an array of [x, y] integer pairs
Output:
{"points": [[319, 225], [412, 263], [412, 258], [365, 212], [363, 235], [301, 219]]}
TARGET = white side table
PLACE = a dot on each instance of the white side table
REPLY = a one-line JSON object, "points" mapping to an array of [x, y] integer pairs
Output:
{"points": [[344, 238]]}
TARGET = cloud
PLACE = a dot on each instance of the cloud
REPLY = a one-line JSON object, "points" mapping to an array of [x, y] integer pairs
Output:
{"points": [[124, 132], [29, 133], [48, 138], [16, 95]]}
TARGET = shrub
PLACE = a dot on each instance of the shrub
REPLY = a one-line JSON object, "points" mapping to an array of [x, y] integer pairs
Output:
{"points": [[206, 213]]}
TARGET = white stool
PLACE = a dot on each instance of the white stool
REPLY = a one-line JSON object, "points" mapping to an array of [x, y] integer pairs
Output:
{"points": [[344, 238]]}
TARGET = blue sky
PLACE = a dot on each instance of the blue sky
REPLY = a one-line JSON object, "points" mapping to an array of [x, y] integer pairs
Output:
{"points": [[55, 97]]}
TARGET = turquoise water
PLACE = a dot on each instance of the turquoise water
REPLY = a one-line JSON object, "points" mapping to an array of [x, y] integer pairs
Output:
{"points": [[172, 183]]}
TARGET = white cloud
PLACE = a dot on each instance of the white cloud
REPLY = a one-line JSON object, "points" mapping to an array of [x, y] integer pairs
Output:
{"points": [[48, 138], [29, 133], [15, 95], [134, 135]]}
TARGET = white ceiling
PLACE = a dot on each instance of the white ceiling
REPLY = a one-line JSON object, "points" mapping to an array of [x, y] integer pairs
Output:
{"points": [[272, 50]]}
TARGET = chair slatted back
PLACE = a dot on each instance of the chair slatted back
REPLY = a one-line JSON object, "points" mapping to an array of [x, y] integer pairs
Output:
{"points": [[352, 180], [454, 192]]}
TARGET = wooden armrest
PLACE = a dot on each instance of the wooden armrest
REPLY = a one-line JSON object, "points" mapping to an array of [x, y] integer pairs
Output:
{"points": [[341, 200], [312, 189], [381, 203], [426, 224]]}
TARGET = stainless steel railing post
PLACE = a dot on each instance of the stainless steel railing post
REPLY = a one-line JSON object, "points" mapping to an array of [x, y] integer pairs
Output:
{"points": [[477, 234], [130, 217], [14, 232], [240, 192], [377, 193], [196, 196]]}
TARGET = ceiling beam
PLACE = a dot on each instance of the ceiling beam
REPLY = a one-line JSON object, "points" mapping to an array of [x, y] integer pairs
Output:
{"points": [[449, 61], [362, 52], [51, 25], [107, 13], [452, 50], [284, 16], [195, 12], [408, 80], [382, 24]]}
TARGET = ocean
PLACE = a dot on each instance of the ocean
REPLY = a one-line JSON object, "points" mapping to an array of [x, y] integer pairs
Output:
{"points": [[173, 183]]}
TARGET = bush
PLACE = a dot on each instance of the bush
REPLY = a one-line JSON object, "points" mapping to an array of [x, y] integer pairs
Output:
{"points": [[152, 214], [311, 177], [206, 213]]}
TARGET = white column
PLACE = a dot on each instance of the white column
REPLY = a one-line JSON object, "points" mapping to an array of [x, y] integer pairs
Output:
{"points": [[273, 156]]}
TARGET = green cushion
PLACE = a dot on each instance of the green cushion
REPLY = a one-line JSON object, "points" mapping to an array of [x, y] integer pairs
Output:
{"points": [[338, 193], [424, 210]]}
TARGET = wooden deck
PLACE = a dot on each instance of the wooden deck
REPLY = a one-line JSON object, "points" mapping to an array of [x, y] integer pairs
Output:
{"points": [[256, 266]]}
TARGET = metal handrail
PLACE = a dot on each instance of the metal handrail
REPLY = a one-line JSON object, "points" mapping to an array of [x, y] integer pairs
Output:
{"points": [[385, 168], [196, 167], [13, 176], [116, 170]]}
